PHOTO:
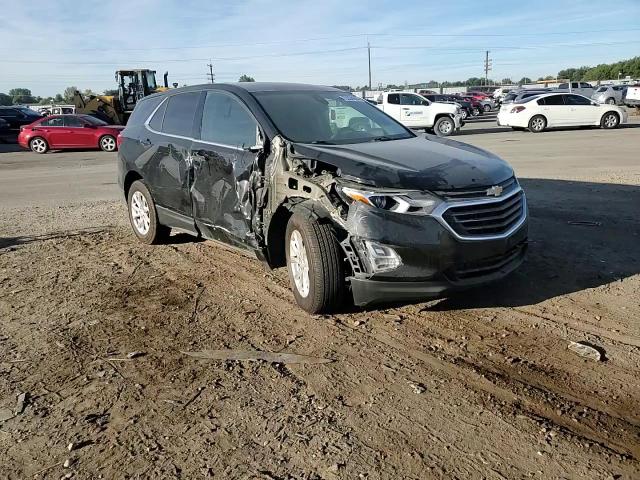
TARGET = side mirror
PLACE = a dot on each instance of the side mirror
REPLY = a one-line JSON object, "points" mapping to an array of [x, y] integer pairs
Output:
{"points": [[595, 104]]}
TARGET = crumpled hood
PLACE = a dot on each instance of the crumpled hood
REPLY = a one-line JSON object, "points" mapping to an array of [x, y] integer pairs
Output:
{"points": [[425, 162]]}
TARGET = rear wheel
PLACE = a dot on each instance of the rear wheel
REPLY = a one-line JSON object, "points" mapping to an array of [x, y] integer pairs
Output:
{"points": [[475, 112], [38, 145], [444, 126], [108, 143], [143, 215], [464, 113], [537, 124], [315, 265], [610, 120], [487, 108]]}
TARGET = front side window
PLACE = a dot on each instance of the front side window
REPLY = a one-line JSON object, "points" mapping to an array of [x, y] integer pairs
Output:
{"points": [[73, 122], [393, 98], [576, 100], [178, 118], [52, 122], [328, 117], [226, 121]]}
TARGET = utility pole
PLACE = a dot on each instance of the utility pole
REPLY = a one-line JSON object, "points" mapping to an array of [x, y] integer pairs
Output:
{"points": [[487, 67], [210, 74], [369, 54]]}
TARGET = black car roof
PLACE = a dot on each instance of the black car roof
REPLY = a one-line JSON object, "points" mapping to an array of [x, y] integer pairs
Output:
{"points": [[253, 87]]}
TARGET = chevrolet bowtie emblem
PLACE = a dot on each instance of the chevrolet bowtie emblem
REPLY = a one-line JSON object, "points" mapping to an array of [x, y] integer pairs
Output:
{"points": [[494, 191]]}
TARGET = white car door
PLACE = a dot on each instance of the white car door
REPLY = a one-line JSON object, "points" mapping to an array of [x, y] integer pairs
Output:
{"points": [[555, 110], [581, 110], [413, 110], [392, 106]]}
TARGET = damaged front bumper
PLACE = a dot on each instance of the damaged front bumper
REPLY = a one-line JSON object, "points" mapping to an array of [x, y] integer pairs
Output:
{"points": [[434, 259]]}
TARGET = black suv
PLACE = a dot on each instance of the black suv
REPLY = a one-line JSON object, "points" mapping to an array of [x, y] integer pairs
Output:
{"points": [[317, 179], [17, 116]]}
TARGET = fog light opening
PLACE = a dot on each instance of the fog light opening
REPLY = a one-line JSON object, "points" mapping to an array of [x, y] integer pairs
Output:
{"points": [[381, 258]]}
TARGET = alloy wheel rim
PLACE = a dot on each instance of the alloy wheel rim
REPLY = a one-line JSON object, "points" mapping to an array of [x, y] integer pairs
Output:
{"points": [[610, 121], [445, 126], [108, 144], [538, 124], [299, 263], [38, 145], [140, 213]]}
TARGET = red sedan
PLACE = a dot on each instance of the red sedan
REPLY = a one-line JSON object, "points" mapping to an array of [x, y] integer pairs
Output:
{"points": [[69, 131]]}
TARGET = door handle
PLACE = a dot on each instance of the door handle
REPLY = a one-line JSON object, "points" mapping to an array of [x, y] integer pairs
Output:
{"points": [[405, 108]]}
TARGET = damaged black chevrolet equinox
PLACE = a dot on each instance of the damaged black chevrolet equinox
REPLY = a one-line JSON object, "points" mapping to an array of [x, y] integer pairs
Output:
{"points": [[317, 179]]}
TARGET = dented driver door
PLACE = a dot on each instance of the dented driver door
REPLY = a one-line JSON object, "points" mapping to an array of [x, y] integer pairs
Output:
{"points": [[222, 165]]}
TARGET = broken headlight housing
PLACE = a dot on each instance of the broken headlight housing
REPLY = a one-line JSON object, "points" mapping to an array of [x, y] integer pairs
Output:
{"points": [[411, 202]]}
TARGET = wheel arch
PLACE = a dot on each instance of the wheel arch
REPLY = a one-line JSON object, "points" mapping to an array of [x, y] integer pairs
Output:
{"points": [[129, 178]]}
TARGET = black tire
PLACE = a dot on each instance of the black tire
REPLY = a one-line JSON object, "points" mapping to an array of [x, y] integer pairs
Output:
{"points": [[155, 233], [610, 120], [611, 101], [486, 108], [444, 126], [38, 145], [325, 264], [475, 112], [464, 114], [107, 143], [537, 124]]}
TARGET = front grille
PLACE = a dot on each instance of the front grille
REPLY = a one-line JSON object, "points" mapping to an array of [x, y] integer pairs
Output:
{"points": [[476, 192], [482, 219], [486, 266]]}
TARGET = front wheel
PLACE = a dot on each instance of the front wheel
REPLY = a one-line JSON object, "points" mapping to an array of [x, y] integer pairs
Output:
{"points": [[143, 215], [610, 120], [537, 124], [475, 112], [444, 127], [464, 114], [487, 108], [108, 143], [315, 265], [611, 101]]}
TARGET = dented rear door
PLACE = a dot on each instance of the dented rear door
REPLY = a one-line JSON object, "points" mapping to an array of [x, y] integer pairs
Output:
{"points": [[222, 165]]}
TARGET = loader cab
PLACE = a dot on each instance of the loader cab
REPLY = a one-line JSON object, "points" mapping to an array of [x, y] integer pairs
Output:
{"points": [[134, 85]]}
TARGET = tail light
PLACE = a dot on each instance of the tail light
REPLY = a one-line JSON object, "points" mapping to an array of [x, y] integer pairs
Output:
{"points": [[517, 109], [119, 140]]}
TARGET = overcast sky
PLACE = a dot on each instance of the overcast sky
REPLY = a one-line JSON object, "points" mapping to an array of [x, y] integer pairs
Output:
{"points": [[49, 45]]}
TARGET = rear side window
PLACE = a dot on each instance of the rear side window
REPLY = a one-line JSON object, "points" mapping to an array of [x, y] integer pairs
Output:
{"points": [[8, 112], [226, 121], [156, 121], [72, 122], [178, 119], [553, 100], [52, 122], [394, 98], [585, 85], [143, 109], [576, 100]]}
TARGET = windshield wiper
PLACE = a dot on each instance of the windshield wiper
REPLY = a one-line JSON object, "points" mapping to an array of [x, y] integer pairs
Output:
{"points": [[382, 139], [322, 142]]}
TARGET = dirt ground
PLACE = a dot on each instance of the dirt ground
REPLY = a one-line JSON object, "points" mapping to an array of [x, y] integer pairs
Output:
{"points": [[93, 327]]}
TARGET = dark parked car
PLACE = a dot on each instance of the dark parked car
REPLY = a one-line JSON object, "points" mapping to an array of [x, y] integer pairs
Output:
{"points": [[465, 107], [18, 116], [323, 182], [60, 132], [4, 126]]}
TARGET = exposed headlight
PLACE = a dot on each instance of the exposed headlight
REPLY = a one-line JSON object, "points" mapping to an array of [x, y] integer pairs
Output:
{"points": [[411, 202]]}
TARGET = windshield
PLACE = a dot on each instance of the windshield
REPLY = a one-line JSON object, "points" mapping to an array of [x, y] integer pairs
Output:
{"points": [[601, 89], [93, 120], [328, 117]]}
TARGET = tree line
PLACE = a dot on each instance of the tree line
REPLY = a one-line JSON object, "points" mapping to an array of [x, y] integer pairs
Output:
{"points": [[22, 96]]}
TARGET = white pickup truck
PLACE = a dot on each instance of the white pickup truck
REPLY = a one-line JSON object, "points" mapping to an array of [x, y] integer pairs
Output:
{"points": [[632, 98], [415, 111]]}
